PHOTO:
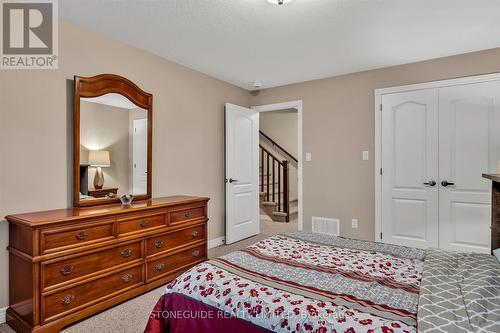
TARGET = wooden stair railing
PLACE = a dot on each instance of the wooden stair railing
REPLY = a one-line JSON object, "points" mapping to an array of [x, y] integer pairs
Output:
{"points": [[272, 169], [276, 145]]}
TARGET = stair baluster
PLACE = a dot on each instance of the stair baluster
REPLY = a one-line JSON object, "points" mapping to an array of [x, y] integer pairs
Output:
{"points": [[262, 170], [286, 191], [274, 181], [279, 186], [267, 171], [269, 166]]}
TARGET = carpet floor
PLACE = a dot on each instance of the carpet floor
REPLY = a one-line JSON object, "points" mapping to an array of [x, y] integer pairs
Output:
{"points": [[131, 316]]}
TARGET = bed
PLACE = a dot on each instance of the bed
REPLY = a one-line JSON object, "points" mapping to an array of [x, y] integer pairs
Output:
{"points": [[310, 282]]}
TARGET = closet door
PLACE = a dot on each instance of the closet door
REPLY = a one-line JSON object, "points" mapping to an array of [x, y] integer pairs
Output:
{"points": [[410, 168], [469, 145]]}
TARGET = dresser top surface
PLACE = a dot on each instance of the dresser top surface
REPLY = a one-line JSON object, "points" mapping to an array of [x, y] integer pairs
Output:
{"points": [[76, 213], [492, 176]]}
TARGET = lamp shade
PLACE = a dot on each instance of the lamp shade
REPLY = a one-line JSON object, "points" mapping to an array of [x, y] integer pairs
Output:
{"points": [[99, 158]]}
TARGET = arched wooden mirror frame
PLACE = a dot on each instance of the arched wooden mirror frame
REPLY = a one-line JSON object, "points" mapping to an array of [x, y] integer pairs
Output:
{"points": [[95, 86]]}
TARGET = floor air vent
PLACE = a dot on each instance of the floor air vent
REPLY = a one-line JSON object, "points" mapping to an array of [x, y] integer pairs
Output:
{"points": [[326, 225]]}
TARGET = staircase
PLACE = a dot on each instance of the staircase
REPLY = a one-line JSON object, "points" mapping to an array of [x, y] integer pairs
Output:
{"points": [[274, 182]]}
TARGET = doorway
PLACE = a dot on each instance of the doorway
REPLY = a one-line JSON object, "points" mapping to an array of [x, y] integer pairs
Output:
{"points": [[243, 158], [278, 171]]}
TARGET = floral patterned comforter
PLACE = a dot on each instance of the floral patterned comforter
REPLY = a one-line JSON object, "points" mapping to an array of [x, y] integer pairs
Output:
{"points": [[302, 282]]}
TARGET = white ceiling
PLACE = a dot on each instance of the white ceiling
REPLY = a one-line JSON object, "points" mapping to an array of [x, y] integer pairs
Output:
{"points": [[241, 41], [116, 100]]}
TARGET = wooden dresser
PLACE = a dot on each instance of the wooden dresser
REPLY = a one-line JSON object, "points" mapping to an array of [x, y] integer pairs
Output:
{"points": [[68, 264], [495, 210]]}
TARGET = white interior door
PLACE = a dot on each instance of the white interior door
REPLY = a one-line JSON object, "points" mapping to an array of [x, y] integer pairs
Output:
{"points": [[140, 156], [410, 168], [469, 145], [242, 173]]}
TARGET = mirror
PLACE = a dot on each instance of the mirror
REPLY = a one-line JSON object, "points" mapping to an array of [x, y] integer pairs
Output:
{"points": [[112, 135]]}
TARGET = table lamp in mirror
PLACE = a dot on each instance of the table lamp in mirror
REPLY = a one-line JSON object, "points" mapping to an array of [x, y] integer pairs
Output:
{"points": [[99, 159]]}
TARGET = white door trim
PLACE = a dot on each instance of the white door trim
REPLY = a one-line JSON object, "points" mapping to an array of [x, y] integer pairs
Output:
{"points": [[298, 106], [440, 83], [378, 128]]}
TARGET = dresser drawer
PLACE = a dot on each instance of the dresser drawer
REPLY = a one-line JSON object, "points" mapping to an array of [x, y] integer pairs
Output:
{"points": [[77, 235], [140, 223], [186, 213], [173, 262], [66, 270], [72, 298], [179, 238]]}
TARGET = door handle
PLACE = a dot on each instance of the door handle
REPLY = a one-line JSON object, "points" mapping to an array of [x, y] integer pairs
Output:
{"points": [[445, 183], [231, 180], [431, 183]]}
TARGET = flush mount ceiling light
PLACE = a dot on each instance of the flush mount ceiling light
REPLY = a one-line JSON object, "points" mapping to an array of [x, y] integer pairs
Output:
{"points": [[278, 2]]}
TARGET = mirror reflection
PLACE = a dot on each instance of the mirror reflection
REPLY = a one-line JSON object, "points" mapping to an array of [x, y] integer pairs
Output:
{"points": [[113, 147]]}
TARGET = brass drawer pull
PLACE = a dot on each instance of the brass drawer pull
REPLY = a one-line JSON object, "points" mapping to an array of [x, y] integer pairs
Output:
{"points": [[159, 244], [144, 223], [67, 299], [159, 267], [126, 253], [187, 215], [81, 235], [66, 270], [194, 233], [126, 278], [196, 253]]}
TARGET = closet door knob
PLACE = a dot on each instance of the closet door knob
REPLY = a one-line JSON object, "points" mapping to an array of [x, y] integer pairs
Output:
{"points": [[431, 183], [446, 183]]}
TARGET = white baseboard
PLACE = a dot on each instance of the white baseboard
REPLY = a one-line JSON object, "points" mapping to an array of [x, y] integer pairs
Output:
{"points": [[216, 242], [2, 315]]}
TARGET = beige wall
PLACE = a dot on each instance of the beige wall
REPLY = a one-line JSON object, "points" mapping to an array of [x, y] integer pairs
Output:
{"points": [[35, 128], [281, 126], [338, 124]]}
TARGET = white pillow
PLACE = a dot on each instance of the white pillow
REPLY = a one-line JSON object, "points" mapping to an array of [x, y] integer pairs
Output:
{"points": [[496, 253]]}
